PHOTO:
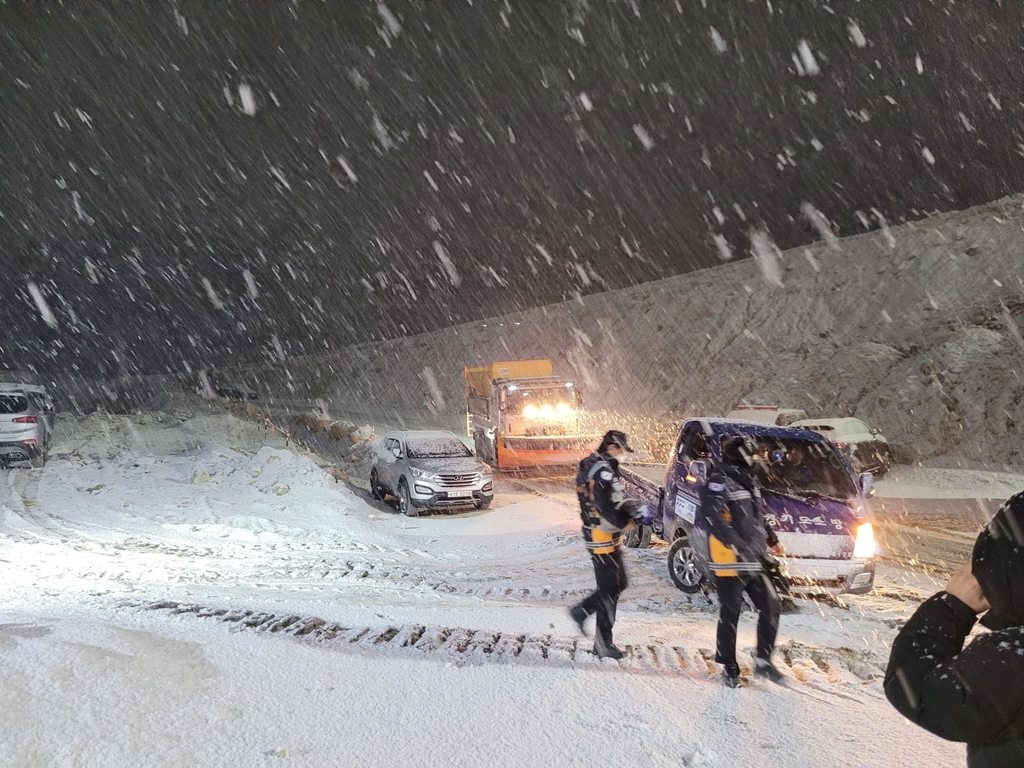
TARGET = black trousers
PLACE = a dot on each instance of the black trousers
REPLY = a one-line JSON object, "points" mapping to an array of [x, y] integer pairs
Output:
{"points": [[610, 573], [730, 600]]}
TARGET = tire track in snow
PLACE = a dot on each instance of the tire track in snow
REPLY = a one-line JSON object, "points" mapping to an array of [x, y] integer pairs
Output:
{"points": [[18, 490], [828, 671]]}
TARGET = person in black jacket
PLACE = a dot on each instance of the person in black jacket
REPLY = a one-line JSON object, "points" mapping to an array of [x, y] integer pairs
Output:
{"points": [[738, 542], [606, 512], [973, 694]]}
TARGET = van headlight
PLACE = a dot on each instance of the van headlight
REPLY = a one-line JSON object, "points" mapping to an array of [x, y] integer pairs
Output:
{"points": [[864, 546], [422, 473]]}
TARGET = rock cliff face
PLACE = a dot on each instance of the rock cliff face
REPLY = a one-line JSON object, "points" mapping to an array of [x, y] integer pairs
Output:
{"points": [[915, 330]]}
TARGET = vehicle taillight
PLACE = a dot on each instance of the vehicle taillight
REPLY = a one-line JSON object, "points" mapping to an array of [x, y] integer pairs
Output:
{"points": [[25, 420], [864, 546]]}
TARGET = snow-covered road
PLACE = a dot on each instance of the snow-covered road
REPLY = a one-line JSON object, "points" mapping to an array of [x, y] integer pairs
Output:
{"points": [[184, 590]]}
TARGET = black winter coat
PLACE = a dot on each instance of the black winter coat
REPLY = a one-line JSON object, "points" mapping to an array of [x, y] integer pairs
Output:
{"points": [[734, 513], [973, 694]]}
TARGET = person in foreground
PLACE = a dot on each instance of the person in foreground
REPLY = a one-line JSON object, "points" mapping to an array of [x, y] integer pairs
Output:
{"points": [[738, 542], [606, 513], [973, 694]]}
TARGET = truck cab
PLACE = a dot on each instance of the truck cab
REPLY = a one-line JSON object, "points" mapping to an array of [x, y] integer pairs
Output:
{"points": [[812, 498], [521, 415]]}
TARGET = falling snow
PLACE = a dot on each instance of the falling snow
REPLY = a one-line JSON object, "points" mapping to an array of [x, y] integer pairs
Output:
{"points": [[248, 99], [644, 136], [447, 264]]}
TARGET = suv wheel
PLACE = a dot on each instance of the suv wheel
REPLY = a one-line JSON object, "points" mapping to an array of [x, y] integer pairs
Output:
{"points": [[375, 490], [684, 566], [404, 500], [483, 502]]}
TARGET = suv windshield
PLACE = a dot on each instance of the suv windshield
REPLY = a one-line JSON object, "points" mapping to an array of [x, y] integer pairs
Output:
{"points": [[802, 467], [13, 404], [436, 448]]}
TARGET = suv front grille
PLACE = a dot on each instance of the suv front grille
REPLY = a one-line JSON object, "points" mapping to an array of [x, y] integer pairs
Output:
{"points": [[458, 481]]}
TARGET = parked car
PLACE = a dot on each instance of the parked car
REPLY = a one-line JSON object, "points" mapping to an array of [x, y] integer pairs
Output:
{"points": [[235, 392], [27, 416], [866, 448], [812, 498], [425, 469], [769, 414]]}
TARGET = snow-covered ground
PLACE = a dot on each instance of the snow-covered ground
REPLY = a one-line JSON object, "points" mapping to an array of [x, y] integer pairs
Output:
{"points": [[184, 590], [930, 483]]}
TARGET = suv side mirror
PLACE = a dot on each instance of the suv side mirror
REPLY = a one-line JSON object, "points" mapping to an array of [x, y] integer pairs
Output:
{"points": [[698, 470], [396, 452], [867, 484]]}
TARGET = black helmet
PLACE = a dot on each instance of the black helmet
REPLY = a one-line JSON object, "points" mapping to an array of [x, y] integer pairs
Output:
{"points": [[617, 438], [739, 449]]}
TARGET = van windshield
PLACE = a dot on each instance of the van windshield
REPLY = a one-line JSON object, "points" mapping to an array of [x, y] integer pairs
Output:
{"points": [[804, 468], [13, 404]]}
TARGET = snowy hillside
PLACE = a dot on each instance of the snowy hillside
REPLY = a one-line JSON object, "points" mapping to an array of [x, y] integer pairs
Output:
{"points": [[915, 329], [186, 591]]}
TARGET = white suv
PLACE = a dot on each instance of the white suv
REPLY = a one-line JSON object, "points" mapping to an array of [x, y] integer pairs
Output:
{"points": [[26, 425], [424, 469]]}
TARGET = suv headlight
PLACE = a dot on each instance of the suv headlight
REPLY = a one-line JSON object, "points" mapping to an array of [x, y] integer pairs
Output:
{"points": [[422, 473], [864, 545], [486, 470]]}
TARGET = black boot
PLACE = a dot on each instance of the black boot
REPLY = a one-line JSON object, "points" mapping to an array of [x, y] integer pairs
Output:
{"points": [[578, 615], [605, 650], [731, 676], [764, 668]]}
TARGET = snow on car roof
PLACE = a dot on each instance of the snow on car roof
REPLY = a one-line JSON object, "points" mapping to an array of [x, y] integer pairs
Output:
{"points": [[425, 434], [844, 421], [758, 428]]}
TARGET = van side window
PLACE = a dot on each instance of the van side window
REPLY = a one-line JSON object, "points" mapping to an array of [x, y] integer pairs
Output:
{"points": [[684, 438]]}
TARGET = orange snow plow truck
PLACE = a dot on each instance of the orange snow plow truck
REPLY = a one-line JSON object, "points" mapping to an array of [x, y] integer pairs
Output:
{"points": [[520, 416]]}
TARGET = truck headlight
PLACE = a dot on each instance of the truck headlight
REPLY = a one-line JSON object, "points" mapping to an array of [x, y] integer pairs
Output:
{"points": [[864, 546], [421, 473]]}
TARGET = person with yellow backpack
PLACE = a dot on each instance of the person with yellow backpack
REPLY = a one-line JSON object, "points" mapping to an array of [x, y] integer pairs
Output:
{"points": [[606, 513], [738, 542]]}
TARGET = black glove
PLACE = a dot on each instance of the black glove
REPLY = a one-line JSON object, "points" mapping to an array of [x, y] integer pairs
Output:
{"points": [[773, 569]]}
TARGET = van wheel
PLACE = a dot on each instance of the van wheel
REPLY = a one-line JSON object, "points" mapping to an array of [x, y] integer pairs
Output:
{"points": [[684, 566], [405, 501], [638, 537]]}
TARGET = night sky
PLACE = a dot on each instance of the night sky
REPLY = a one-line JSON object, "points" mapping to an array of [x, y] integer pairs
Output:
{"points": [[186, 183]]}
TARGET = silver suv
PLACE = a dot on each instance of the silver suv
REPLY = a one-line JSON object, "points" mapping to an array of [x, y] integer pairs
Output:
{"points": [[423, 470], [26, 425]]}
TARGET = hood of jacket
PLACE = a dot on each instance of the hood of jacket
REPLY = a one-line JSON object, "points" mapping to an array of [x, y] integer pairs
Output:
{"points": [[998, 565]]}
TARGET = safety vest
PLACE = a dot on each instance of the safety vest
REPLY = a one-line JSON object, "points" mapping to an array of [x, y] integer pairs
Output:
{"points": [[601, 535]]}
